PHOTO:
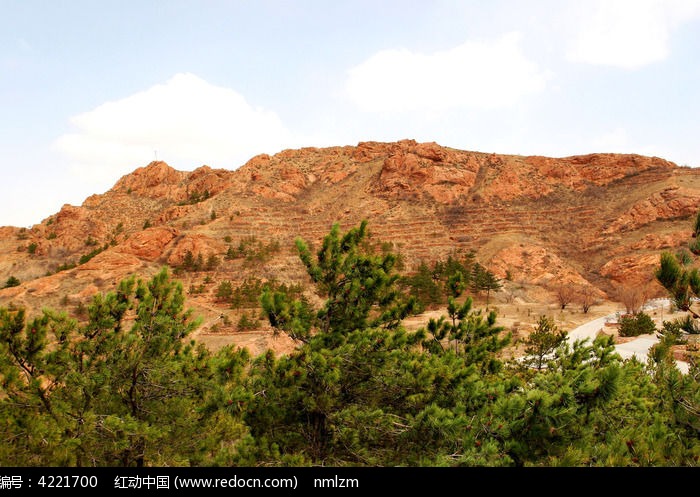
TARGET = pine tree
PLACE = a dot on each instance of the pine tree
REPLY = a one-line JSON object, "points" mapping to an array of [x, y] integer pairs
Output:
{"points": [[490, 283], [359, 287], [682, 284], [212, 262], [230, 253], [543, 341], [356, 368], [423, 286], [224, 291], [126, 388], [188, 262]]}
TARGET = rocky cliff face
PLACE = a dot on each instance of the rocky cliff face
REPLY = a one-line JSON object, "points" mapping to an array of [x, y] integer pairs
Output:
{"points": [[599, 220]]}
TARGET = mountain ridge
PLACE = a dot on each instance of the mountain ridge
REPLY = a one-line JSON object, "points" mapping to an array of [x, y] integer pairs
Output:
{"points": [[597, 220]]}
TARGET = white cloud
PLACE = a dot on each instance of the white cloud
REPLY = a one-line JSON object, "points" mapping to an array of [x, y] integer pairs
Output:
{"points": [[474, 74], [628, 33], [186, 121]]}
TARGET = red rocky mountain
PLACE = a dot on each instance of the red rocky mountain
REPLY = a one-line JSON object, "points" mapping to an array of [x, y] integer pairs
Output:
{"points": [[597, 220]]}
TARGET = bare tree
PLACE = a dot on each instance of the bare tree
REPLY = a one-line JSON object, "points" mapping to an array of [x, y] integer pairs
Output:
{"points": [[587, 298], [565, 293], [632, 296]]}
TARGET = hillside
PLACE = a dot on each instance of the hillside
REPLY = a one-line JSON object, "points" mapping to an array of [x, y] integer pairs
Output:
{"points": [[597, 221]]}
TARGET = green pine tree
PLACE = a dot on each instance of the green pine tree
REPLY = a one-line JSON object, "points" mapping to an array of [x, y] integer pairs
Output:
{"points": [[127, 388], [542, 342]]}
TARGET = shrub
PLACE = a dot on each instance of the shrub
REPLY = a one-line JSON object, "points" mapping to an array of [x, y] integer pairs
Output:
{"points": [[11, 281], [254, 251], [224, 291], [694, 246], [65, 266], [230, 253], [639, 324], [212, 262], [672, 332], [247, 322], [86, 257], [689, 325], [684, 257]]}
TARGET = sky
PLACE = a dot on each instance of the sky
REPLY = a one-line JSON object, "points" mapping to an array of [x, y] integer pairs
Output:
{"points": [[92, 90]]}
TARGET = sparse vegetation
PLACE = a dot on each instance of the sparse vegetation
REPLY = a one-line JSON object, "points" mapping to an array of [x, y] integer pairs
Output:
{"points": [[254, 251], [247, 322], [11, 281], [196, 289], [65, 266], [195, 197], [247, 294], [449, 277], [86, 257]]}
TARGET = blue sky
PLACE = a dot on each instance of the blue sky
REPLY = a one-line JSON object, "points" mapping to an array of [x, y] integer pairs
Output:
{"points": [[91, 90]]}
